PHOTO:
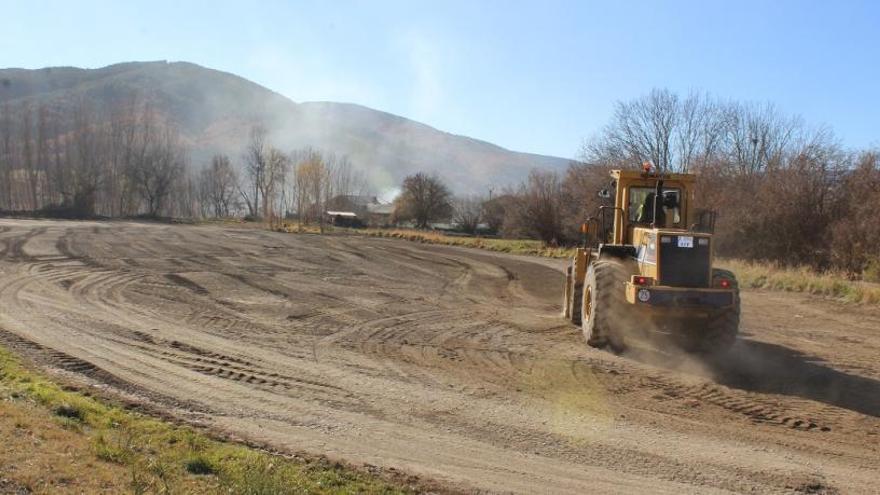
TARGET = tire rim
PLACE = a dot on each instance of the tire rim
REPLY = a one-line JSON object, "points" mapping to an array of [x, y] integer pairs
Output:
{"points": [[588, 303]]}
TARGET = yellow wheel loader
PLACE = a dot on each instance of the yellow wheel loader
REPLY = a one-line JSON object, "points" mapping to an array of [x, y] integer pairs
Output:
{"points": [[646, 265]]}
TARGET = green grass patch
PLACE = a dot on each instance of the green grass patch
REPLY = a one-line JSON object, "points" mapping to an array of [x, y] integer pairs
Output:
{"points": [[161, 457]]}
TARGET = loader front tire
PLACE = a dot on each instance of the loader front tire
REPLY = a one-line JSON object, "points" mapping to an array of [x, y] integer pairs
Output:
{"points": [[604, 306]]}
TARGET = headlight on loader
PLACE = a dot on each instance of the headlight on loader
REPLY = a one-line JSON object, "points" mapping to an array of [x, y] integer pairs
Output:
{"points": [[644, 295]]}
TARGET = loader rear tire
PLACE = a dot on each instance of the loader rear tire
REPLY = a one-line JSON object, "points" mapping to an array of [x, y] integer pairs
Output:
{"points": [[722, 329], [716, 335], [566, 295], [573, 295], [577, 295], [721, 332], [604, 306]]}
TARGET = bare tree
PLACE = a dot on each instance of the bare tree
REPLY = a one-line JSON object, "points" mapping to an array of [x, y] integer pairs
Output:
{"points": [[537, 210], [757, 136], [345, 179], [699, 130], [300, 187], [661, 128], [641, 130], [123, 136], [423, 199], [255, 159], [265, 167], [184, 200], [314, 186], [27, 152], [582, 183], [494, 211], [468, 213], [218, 183], [154, 174], [276, 167], [82, 175]]}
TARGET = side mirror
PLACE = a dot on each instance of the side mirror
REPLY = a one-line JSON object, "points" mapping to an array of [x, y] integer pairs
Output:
{"points": [[604, 194]]}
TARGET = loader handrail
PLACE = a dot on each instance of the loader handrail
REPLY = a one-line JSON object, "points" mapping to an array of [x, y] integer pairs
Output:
{"points": [[591, 232], [614, 219]]}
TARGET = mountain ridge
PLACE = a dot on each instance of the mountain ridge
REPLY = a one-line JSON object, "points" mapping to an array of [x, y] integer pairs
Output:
{"points": [[214, 111]]}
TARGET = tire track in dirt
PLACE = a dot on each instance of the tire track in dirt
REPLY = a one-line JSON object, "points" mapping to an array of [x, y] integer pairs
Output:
{"points": [[55, 359], [14, 245], [439, 361]]}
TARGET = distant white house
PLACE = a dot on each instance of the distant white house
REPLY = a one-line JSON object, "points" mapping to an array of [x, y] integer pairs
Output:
{"points": [[359, 210], [343, 214], [343, 218]]}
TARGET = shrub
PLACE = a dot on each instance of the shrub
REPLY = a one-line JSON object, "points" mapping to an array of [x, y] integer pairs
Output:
{"points": [[872, 271], [69, 411], [199, 465]]}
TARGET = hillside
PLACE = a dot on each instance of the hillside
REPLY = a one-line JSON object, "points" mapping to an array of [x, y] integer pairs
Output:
{"points": [[214, 111]]}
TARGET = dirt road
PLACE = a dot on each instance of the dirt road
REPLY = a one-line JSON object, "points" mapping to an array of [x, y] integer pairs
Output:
{"points": [[447, 363]]}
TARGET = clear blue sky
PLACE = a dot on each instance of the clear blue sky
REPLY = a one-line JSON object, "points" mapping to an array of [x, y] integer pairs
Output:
{"points": [[532, 76]]}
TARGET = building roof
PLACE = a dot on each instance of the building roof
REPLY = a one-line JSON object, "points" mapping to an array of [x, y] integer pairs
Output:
{"points": [[381, 209], [346, 214], [355, 199]]}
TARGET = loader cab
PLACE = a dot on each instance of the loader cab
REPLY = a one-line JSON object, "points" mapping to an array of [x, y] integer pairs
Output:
{"points": [[640, 205], [654, 223]]}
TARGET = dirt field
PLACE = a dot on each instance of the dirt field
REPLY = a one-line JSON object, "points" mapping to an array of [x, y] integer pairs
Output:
{"points": [[447, 363]]}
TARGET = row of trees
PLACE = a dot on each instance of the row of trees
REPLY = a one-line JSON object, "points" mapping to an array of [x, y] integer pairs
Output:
{"points": [[126, 161], [84, 161], [786, 192]]}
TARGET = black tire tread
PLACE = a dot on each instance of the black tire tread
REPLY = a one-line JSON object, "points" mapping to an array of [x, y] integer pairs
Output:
{"points": [[577, 294], [721, 330], [609, 304]]}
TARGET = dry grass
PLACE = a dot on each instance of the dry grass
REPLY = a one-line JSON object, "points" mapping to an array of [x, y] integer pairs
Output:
{"points": [[802, 279], [45, 454], [295, 228], [512, 246], [58, 441]]}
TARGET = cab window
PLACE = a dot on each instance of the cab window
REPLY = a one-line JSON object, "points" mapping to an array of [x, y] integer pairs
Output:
{"points": [[641, 206]]}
